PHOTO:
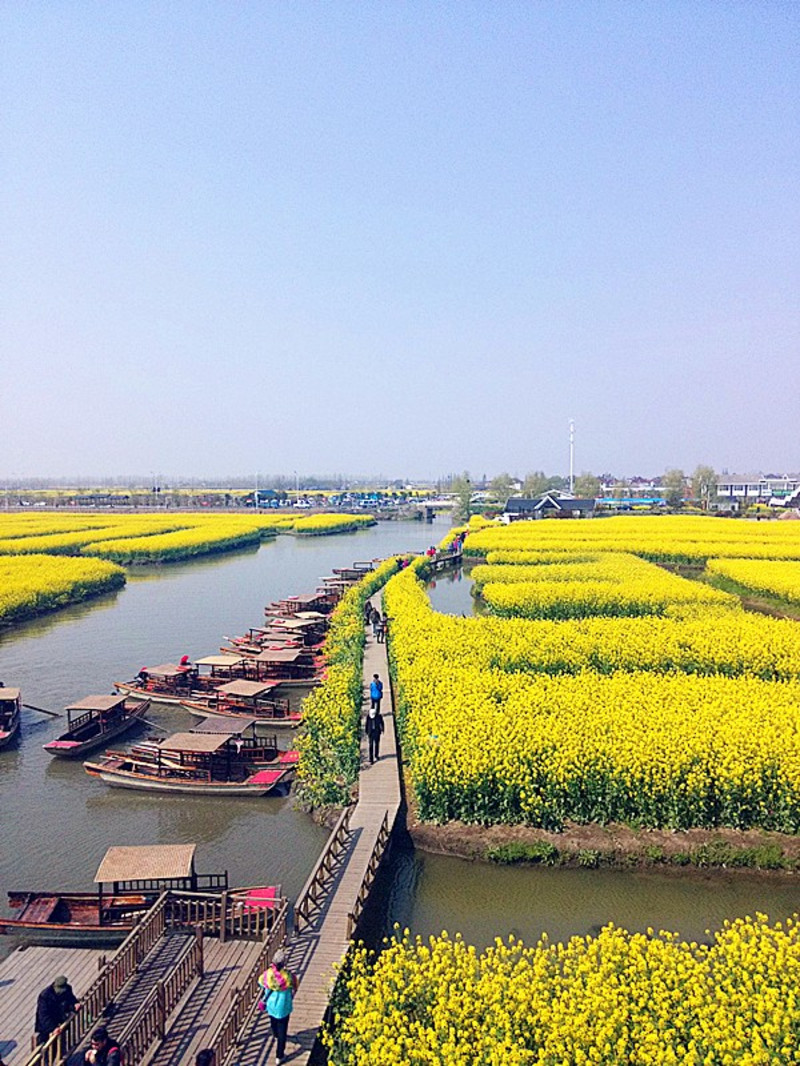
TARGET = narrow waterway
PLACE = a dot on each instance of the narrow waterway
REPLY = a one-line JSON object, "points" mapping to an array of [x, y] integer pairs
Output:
{"points": [[56, 822]]}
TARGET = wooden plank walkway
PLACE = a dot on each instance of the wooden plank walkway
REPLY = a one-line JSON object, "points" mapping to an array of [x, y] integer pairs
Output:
{"points": [[314, 953], [23, 975], [197, 1016]]}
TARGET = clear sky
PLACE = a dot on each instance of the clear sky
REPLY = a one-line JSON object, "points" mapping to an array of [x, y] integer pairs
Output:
{"points": [[396, 237]]}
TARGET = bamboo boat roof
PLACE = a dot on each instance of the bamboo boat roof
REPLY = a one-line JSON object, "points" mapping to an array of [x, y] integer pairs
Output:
{"points": [[306, 597], [146, 862], [166, 670], [198, 743], [312, 616], [219, 660], [97, 703], [215, 724], [279, 655], [9, 693], [246, 688]]}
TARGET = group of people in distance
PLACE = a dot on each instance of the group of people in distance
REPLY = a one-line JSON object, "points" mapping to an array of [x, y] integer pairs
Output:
{"points": [[57, 1003]]}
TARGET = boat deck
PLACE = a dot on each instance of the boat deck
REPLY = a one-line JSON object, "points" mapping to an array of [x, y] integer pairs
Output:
{"points": [[23, 975]]}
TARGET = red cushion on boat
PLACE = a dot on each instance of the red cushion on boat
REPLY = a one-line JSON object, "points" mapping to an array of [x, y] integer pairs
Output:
{"points": [[261, 897], [265, 777], [62, 744], [288, 758]]}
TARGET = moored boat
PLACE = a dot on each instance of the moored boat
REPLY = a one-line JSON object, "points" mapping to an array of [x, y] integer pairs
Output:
{"points": [[10, 715], [217, 759], [129, 880], [173, 683], [246, 701], [95, 721]]}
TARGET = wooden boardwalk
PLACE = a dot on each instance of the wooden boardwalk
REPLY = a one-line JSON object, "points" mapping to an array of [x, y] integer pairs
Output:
{"points": [[316, 950], [23, 975]]}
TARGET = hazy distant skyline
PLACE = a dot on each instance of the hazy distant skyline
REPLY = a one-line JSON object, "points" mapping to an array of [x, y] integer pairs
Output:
{"points": [[409, 238]]}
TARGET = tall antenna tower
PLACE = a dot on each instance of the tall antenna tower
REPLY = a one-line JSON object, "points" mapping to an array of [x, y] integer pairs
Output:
{"points": [[572, 455]]}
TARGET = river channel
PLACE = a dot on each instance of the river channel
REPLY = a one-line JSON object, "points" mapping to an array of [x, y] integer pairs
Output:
{"points": [[56, 822]]}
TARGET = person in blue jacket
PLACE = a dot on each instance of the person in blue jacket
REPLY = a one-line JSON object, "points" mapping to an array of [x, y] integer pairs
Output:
{"points": [[279, 985], [375, 693]]}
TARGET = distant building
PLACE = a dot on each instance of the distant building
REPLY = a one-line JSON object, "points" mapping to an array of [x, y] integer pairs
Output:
{"points": [[548, 505], [738, 491]]}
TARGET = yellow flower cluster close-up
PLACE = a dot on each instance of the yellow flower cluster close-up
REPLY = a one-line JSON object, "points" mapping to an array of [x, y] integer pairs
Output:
{"points": [[643, 999]]}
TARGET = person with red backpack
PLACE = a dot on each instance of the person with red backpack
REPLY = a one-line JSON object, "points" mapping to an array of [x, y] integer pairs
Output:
{"points": [[279, 985]]}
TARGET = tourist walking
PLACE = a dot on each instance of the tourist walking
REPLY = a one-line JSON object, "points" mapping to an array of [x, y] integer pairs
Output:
{"points": [[376, 621], [373, 727], [368, 613], [279, 985], [54, 1006], [375, 693]]}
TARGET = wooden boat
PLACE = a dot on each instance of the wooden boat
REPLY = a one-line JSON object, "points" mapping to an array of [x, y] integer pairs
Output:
{"points": [[129, 880], [10, 715], [247, 700], [94, 721], [171, 683], [216, 759], [290, 666]]}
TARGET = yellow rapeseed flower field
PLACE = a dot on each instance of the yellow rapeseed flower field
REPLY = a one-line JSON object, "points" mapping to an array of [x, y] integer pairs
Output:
{"points": [[780, 579], [615, 998]]}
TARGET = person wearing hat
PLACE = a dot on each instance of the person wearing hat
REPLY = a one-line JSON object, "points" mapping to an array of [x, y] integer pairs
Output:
{"points": [[55, 1005], [279, 985]]}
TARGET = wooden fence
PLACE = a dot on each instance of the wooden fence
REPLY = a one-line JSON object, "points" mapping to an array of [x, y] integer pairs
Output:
{"points": [[149, 1025], [381, 843], [246, 996], [109, 981], [315, 886]]}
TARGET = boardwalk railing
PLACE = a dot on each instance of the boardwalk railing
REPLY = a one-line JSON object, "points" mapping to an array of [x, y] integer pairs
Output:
{"points": [[109, 981], [315, 887], [381, 843], [246, 996], [215, 914], [241, 920], [149, 1025]]}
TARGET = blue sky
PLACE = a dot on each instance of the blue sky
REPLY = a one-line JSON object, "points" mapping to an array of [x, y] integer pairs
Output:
{"points": [[398, 238]]}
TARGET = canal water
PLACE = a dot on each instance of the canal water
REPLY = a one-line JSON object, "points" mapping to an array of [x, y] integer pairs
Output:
{"points": [[56, 822]]}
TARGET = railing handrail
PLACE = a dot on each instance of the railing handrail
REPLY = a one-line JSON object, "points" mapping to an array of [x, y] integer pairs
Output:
{"points": [[244, 999], [148, 1023], [335, 840], [114, 974], [378, 849]]}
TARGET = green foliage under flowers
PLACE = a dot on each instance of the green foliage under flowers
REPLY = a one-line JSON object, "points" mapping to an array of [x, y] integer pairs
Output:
{"points": [[330, 739]]}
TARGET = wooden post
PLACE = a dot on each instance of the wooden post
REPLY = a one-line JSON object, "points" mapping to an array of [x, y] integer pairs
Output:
{"points": [[223, 918], [161, 1024], [199, 968]]}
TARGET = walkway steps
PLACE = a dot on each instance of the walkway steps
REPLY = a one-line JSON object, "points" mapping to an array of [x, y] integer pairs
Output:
{"points": [[23, 975]]}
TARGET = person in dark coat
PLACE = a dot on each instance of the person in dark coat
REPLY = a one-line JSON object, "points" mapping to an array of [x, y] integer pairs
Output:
{"points": [[55, 1005], [373, 728], [104, 1049]]}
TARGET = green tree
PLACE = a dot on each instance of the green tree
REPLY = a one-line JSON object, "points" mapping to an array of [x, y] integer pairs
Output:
{"points": [[501, 487], [673, 487], [462, 487], [587, 486], [704, 486], [535, 484]]}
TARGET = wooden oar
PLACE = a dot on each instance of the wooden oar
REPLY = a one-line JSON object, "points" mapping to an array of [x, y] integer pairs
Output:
{"points": [[154, 725], [42, 710]]}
